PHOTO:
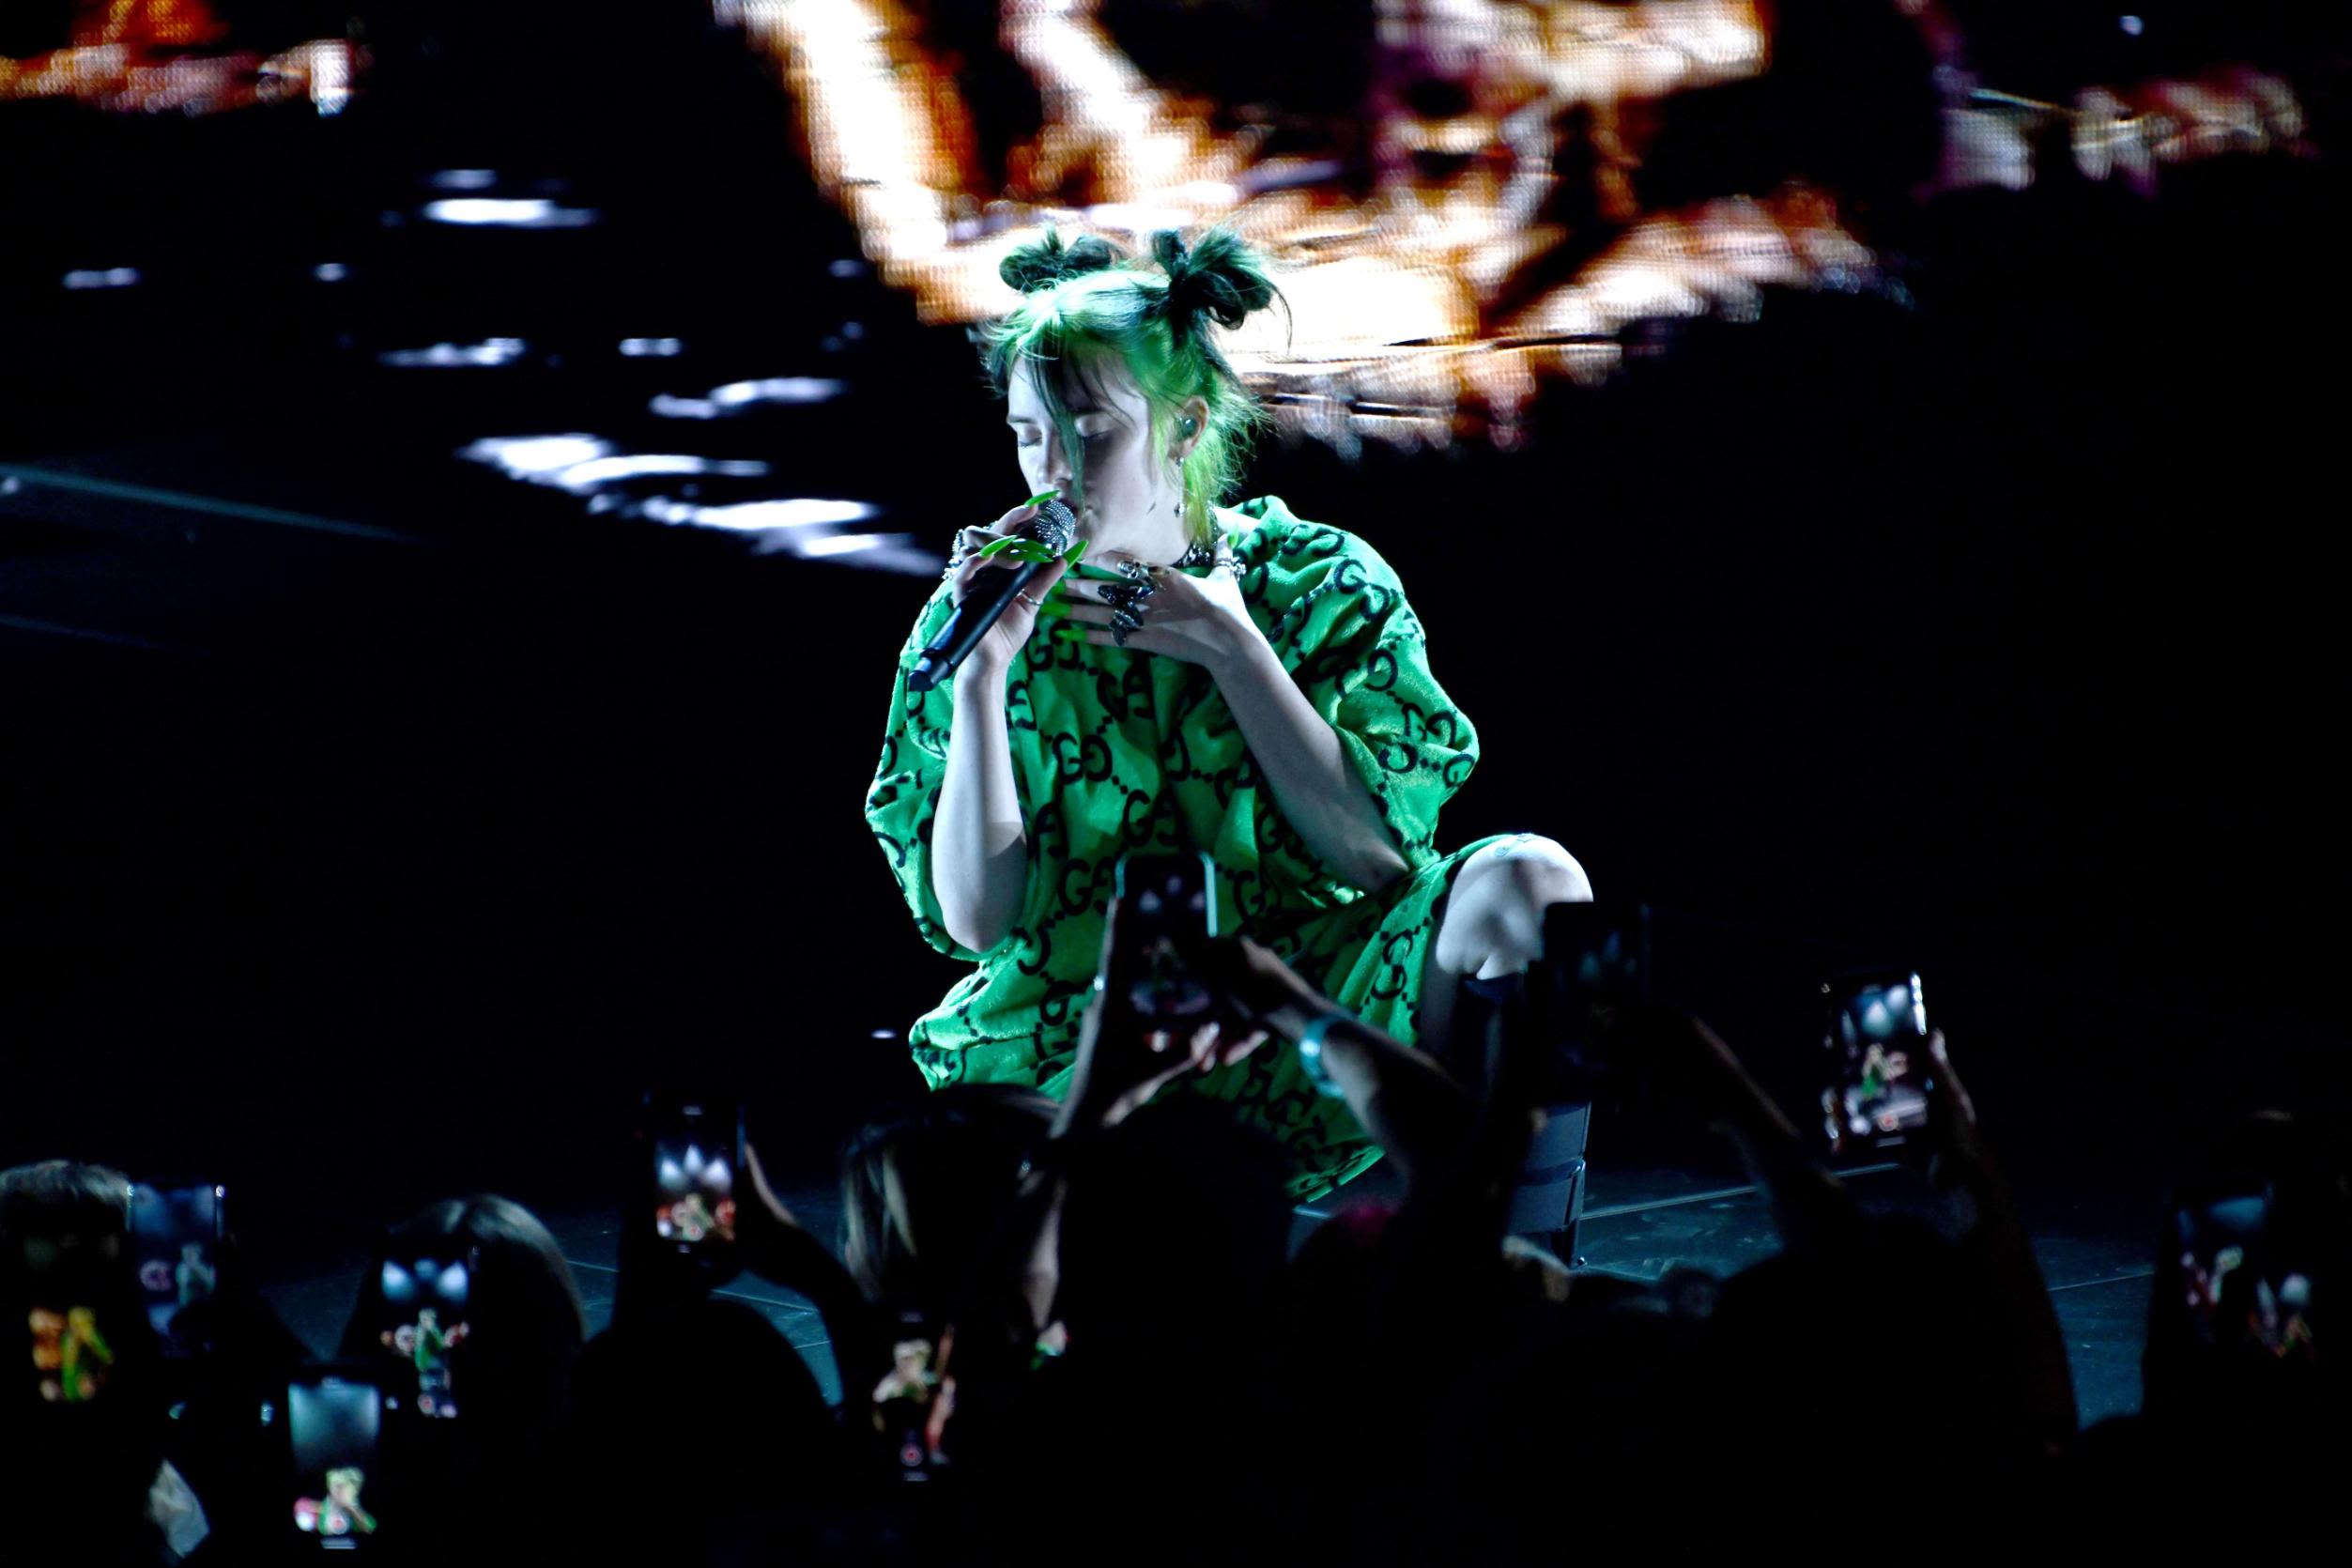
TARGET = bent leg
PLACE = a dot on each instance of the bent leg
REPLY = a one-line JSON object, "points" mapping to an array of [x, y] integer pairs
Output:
{"points": [[1491, 922]]}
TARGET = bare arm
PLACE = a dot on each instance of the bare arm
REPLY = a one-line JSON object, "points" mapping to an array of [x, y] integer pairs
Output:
{"points": [[1318, 788], [979, 848]]}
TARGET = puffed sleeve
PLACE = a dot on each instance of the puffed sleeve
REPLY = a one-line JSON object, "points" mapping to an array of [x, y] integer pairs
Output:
{"points": [[1357, 651], [902, 803]]}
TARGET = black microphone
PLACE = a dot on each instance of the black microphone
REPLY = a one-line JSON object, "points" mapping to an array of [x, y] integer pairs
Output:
{"points": [[1054, 526]]}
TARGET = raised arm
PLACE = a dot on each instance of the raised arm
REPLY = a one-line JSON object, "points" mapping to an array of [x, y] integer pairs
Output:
{"points": [[945, 804]]}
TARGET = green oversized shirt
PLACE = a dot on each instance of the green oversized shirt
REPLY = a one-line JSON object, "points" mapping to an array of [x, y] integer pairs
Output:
{"points": [[1117, 752]]}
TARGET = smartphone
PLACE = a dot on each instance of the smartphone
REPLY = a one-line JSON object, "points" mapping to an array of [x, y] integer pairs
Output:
{"points": [[2243, 1284], [1166, 907], [81, 1311], [424, 1325], [176, 1245], [906, 1413], [334, 1429], [1874, 1042], [695, 1160], [1595, 969]]}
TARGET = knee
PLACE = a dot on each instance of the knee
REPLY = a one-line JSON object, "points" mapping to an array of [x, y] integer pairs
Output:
{"points": [[1494, 922], [1531, 870]]}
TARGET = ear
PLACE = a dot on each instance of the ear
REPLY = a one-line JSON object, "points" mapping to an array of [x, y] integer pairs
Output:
{"points": [[1182, 442]]}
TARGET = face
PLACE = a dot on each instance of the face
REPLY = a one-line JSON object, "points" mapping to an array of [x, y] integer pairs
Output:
{"points": [[1131, 500]]}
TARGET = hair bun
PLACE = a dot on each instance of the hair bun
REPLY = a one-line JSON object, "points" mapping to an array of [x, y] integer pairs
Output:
{"points": [[1044, 262], [1219, 277]]}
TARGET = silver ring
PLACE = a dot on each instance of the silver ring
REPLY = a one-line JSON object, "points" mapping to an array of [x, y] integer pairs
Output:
{"points": [[1026, 600], [1127, 595]]}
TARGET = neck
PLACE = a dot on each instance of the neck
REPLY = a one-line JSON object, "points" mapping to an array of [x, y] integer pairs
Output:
{"points": [[1163, 540]]}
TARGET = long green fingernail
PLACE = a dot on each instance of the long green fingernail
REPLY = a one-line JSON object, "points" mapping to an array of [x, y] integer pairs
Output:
{"points": [[1041, 494], [1076, 550], [1051, 610]]}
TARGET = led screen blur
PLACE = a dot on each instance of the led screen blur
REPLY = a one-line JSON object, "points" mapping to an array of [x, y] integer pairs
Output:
{"points": [[1465, 197]]}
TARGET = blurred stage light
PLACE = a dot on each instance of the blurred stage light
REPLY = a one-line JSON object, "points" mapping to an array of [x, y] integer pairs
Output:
{"points": [[736, 397], [841, 543], [757, 516], [597, 473], [1493, 242], [531, 456], [516, 212], [491, 353], [103, 277], [652, 348]]}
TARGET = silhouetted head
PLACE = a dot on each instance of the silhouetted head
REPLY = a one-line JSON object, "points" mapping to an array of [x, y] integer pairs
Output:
{"points": [[922, 1194]]}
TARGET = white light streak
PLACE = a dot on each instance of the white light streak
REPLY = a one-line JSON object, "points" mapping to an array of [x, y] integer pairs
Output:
{"points": [[761, 516], [735, 396], [533, 457], [513, 212], [492, 352]]}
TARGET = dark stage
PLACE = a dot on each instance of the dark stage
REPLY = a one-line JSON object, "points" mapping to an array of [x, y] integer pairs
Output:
{"points": [[387, 803]]}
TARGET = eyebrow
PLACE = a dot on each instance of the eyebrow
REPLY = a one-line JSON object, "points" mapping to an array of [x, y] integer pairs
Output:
{"points": [[1075, 411]]}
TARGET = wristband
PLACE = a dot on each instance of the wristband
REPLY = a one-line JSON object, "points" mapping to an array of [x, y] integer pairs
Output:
{"points": [[1311, 1053]]}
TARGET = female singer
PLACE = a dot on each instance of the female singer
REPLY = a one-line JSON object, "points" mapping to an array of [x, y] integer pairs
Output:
{"points": [[1229, 680]]}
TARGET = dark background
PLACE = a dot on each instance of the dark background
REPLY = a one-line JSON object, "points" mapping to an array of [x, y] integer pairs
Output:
{"points": [[1998, 634]]}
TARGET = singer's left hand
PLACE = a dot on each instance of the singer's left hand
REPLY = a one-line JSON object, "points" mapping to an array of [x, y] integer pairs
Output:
{"points": [[1200, 620]]}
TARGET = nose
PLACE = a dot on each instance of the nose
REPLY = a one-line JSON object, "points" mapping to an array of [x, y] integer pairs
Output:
{"points": [[1055, 469]]}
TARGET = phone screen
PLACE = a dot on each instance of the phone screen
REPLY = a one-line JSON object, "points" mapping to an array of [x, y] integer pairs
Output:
{"points": [[81, 1315], [697, 1152], [1876, 1040], [1165, 906], [176, 1240], [73, 1350], [1600, 952], [1595, 964], [907, 1412], [2243, 1285], [333, 1423], [424, 1308]]}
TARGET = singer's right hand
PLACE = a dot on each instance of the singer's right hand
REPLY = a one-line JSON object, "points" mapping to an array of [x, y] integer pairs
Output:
{"points": [[997, 646]]}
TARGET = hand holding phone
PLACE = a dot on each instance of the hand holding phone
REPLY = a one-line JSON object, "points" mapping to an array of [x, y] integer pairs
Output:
{"points": [[1880, 1077], [1157, 1013], [176, 1237], [334, 1423], [2247, 1288], [1166, 911], [72, 1288], [424, 1323], [693, 1149], [1585, 992]]}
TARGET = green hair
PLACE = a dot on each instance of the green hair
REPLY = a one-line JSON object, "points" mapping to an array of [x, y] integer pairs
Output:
{"points": [[1088, 298]]}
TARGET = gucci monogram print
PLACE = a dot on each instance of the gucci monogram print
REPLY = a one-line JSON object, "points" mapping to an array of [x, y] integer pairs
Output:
{"points": [[1117, 752]]}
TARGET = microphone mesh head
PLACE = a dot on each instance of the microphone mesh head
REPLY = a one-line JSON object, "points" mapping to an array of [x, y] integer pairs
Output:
{"points": [[1056, 526]]}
